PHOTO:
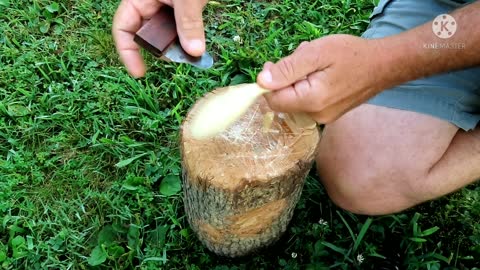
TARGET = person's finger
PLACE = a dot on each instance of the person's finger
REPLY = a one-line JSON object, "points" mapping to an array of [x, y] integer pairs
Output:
{"points": [[188, 15], [306, 95], [265, 75], [268, 65], [123, 37], [128, 20], [327, 116], [302, 45], [293, 68], [336, 107], [334, 111]]}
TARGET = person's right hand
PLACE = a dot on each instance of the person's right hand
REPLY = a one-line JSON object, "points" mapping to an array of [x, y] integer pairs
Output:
{"points": [[132, 14], [329, 76]]}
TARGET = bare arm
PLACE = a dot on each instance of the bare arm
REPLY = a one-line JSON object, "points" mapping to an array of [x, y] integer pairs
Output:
{"points": [[420, 53], [331, 75]]}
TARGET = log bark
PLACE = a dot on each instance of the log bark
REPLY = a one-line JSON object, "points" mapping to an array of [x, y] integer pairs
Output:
{"points": [[241, 187]]}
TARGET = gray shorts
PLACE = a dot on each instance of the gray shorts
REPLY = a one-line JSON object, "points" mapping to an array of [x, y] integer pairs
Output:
{"points": [[452, 96]]}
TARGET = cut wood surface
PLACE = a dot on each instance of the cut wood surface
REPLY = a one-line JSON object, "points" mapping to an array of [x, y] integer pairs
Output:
{"points": [[241, 186]]}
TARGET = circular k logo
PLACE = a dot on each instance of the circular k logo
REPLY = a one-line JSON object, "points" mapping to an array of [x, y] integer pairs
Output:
{"points": [[444, 26]]}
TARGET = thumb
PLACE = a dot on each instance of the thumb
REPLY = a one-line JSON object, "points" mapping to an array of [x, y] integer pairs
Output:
{"points": [[188, 16], [304, 60]]}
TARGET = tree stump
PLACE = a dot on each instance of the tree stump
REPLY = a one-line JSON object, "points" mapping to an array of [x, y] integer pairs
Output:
{"points": [[241, 187]]}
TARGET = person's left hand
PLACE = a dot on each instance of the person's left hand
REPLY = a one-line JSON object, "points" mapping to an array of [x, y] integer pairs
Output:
{"points": [[325, 78], [132, 14]]}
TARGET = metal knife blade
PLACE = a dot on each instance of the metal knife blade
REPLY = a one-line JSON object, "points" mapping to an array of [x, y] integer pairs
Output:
{"points": [[175, 53], [159, 36]]}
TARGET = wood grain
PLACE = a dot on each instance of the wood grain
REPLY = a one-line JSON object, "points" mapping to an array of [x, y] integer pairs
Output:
{"points": [[241, 187]]}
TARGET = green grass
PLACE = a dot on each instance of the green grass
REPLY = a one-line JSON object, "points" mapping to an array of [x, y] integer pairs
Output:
{"points": [[84, 149]]}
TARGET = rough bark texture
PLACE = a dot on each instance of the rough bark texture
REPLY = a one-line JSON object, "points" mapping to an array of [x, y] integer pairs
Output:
{"points": [[237, 223], [240, 205]]}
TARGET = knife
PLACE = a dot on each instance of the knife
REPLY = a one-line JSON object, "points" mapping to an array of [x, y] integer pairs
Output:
{"points": [[159, 36]]}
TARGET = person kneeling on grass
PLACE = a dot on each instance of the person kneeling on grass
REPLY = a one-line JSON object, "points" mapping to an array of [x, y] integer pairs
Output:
{"points": [[401, 103]]}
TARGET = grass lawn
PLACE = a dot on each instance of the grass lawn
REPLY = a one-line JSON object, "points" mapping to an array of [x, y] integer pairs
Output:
{"points": [[84, 149]]}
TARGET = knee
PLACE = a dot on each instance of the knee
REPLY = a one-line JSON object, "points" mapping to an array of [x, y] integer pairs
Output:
{"points": [[365, 197], [368, 191], [361, 205]]}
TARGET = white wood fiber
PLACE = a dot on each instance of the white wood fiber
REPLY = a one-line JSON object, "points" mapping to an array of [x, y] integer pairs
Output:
{"points": [[221, 110]]}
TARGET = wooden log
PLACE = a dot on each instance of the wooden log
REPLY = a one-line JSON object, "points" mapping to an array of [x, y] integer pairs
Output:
{"points": [[241, 187]]}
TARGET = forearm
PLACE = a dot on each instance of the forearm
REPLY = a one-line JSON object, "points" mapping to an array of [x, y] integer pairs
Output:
{"points": [[420, 53]]}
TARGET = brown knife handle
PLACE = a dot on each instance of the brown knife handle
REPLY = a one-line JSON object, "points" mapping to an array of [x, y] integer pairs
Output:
{"points": [[159, 32]]}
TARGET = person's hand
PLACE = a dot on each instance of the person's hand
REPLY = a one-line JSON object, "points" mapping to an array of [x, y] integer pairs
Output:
{"points": [[324, 78], [131, 15]]}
